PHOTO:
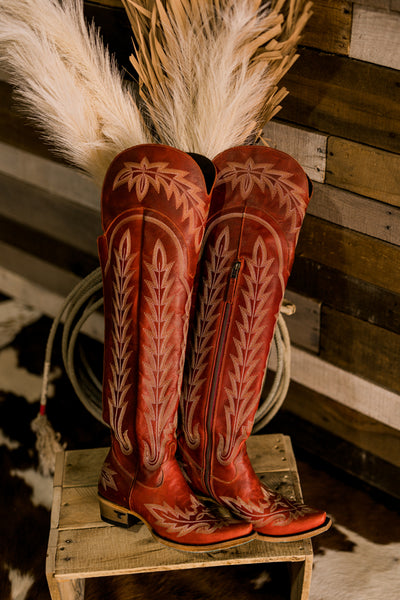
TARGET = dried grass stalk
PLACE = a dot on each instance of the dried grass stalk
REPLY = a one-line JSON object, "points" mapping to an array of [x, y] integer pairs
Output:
{"points": [[208, 71], [68, 83]]}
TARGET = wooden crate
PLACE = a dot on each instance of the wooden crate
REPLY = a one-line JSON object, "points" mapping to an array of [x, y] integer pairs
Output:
{"points": [[81, 545]]}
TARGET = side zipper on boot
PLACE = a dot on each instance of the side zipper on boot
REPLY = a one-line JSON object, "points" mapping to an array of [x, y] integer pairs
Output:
{"points": [[225, 322]]}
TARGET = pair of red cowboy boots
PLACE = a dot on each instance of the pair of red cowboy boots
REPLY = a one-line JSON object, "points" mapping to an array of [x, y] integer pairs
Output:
{"points": [[200, 251]]}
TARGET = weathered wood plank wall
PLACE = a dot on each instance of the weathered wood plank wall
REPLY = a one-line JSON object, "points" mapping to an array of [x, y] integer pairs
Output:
{"points": [[345, 101], [341, 120]]}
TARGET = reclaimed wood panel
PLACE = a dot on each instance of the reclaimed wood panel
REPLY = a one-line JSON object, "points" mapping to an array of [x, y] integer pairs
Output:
{"points": [[34, 269], [43, 246], [58, 218], [360, 348], [304, 325], [375, 37], [329, 28], [16, 130], [340, 453], [345, 387], [364, 170], [112, 3], [350, 252], [346, 98], [356, 212], [50, 175], [307, 147], [352, 296], [354, 427], [384, 4]]}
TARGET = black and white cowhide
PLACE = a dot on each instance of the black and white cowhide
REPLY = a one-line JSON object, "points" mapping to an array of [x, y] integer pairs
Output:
{"points": [[358, 559]]}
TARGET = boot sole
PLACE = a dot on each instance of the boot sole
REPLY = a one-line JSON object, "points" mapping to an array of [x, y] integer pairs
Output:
{"points": [[122, 517], [296, 536], [281, 538]]}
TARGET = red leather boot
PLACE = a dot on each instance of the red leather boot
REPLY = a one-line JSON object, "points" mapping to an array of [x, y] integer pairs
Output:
{"points": [[257, 208], [154, 206]]}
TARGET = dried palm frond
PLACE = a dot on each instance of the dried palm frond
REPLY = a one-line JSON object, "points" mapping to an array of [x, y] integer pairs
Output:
{"points": [[208, 71], [68, 82]]}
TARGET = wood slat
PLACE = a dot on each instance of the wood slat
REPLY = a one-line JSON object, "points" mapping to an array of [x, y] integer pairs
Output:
{"points": [[16, 130], [338, 452], [367, 171], [344, 97], [356, 212], [360, 348], [56, 217], [348, 389], [112, 3], [350, 252], [49, 175], [134, 551], [384, 4], [41, 285], [307, 147], [352, 296], [354, 427], [375, 37], [45, 247], [304, 325], [329, 28]]}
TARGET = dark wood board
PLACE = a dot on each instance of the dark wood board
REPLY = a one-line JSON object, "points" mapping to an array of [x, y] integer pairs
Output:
{"points": [[354, 427], [355, 254], [362, 169], [337, 452], [342, 292], [54, 216], [347, 98], [329, 28], [360, 348]]}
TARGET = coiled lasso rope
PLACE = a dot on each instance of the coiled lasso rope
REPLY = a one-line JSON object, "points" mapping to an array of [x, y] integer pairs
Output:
{"points": [[84, 300]]}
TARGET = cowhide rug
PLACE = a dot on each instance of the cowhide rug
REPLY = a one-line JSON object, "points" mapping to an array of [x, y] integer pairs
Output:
{"points": [[358, 559]]}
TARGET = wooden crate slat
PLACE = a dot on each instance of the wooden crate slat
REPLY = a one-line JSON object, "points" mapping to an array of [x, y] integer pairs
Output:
{"points": [[135, 551], [358, 429], [344, 97], [307, 147], [350, 252], [356, 212], [82, 468], [367, 171], [80, 508], [361, 348], [329, 28], [375, 37]]}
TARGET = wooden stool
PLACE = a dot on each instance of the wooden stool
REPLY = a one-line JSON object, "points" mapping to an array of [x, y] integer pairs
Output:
{"points": [[81, 545]]}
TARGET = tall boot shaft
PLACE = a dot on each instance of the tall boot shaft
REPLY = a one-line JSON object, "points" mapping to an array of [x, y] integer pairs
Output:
{"points": [[257, 208], [154, 208]]}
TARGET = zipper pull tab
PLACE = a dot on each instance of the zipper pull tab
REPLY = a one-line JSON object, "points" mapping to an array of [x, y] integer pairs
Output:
{"points": [[235, 269], [233, 281]]}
